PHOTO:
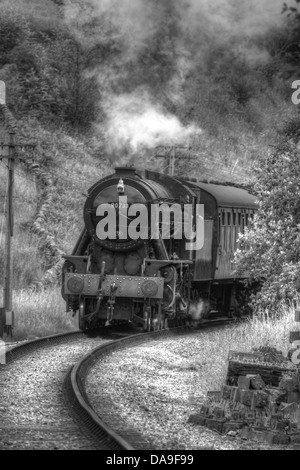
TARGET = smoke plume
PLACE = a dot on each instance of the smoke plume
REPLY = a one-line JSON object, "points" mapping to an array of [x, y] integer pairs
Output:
{"points": [[150, 49], [135, 123]]}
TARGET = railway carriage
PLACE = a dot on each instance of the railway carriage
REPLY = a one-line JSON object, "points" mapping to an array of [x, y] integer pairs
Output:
{"points": [[154, 280]]}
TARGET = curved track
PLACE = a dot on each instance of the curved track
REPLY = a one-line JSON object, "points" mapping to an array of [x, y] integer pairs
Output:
{"points": [[33, 411], [43, 403], [107, 426]]}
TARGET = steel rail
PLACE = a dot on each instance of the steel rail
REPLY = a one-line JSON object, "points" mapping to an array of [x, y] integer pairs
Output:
{"points": [[77, 378]]}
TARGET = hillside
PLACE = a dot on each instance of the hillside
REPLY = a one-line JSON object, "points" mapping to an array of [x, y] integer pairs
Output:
{"points": [[97, 83]]}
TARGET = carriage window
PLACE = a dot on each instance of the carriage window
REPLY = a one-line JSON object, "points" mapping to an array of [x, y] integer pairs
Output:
{"points": [[247, 219], [243, 221], [223, 218], [234, 218], [240, 218], [228, 218]]}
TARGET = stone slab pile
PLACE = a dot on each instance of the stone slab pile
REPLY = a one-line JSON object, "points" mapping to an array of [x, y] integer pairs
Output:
{"points": [[260, 399]]}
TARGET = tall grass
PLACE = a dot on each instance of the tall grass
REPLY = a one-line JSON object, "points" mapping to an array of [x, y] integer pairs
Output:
{"points": [[209, 354], [40, 314], [43, 313]]}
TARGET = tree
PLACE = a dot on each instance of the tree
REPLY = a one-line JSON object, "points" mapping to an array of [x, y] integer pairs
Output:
{"points": [[270, 250]]}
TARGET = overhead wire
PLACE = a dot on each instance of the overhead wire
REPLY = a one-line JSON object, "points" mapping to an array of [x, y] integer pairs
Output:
{"points": [[66, 177], [63, 174], [17, 171], [213, 160], [225, 173], [52, 172]]}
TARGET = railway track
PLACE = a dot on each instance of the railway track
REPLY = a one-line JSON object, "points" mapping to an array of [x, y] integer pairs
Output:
{"points": [[119, 436], [43, 402], [33, 411]]}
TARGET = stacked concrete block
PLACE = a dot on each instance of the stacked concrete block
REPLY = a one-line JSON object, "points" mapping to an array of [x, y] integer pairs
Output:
{"points": [[256, 382], [258, 414], [249, 405]]}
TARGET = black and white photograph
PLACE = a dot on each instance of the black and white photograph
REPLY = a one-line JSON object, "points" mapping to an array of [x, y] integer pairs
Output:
{"points": [[150, 228]]}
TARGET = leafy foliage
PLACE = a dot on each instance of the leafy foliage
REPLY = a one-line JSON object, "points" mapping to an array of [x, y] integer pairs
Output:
{"points": [[270, 250], [44, 65]]}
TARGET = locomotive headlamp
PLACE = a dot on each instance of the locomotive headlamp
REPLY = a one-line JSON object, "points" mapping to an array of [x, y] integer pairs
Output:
{"points": [[75, 285], [149, 288], [120, 187]]}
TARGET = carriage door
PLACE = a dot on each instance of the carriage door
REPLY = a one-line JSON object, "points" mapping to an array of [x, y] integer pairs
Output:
{"points": [[204, 256], [225, 251]]}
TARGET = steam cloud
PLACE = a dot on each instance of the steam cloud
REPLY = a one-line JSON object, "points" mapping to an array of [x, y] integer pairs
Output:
{"points": [[135, 123], [151, 48]]}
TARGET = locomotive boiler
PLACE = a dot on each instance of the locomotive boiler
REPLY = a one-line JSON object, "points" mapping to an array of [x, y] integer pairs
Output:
{"points": [[131, 266]]}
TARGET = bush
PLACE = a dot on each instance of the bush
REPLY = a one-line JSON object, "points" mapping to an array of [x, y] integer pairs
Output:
{"points": [[270, 250]]}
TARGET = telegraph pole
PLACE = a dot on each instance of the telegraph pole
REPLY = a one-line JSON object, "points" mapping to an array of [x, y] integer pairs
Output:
{"points": [[172, 162], [169, 156], [8, 152], [9, 233]]}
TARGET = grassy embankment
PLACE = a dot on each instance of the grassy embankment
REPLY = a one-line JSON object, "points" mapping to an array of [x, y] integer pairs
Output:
{"points": [[42, 312], [212, 356]]}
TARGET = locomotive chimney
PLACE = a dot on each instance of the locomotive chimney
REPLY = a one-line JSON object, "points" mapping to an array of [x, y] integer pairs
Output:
{"points": [[125, 170]]}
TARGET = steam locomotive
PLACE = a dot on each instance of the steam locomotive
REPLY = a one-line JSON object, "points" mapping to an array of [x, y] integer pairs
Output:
{"points": [[129, 266]]}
